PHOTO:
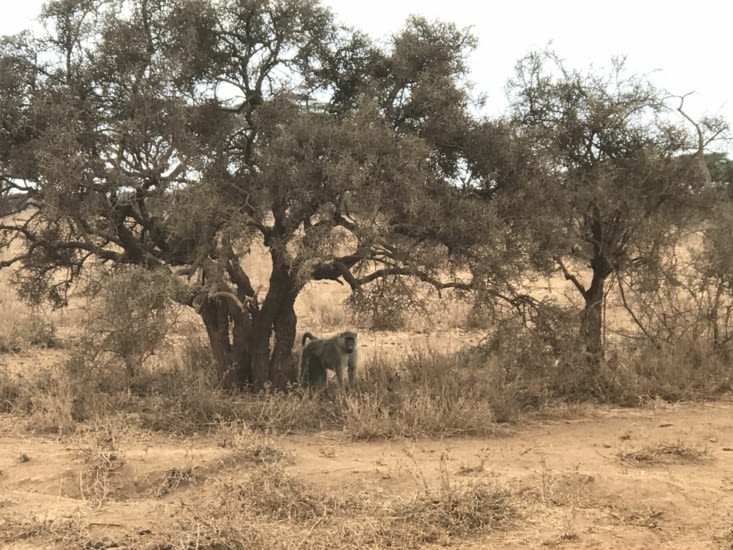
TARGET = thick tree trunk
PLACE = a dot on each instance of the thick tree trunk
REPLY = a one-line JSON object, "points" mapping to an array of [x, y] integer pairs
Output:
{"points": [[277, 316], [283, 368], [242, 342], [227, 331], [261, 353]]}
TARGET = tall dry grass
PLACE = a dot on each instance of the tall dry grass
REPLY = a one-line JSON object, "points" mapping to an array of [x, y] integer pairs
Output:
{"points": [[443, 390], [424, 394]]}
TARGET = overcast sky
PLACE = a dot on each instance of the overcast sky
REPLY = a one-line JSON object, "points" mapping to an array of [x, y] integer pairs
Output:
{"points": [[684, 49]]}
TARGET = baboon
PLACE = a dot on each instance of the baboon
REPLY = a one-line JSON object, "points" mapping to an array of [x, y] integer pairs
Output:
{"points": [[336, 353]]}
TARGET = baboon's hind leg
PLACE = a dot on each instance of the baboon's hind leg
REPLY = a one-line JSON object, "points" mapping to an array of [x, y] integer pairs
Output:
{"points": [[314, 374]]}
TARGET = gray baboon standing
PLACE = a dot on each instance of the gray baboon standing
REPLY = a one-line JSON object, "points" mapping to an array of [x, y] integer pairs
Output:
{"points": [[337, 353]]}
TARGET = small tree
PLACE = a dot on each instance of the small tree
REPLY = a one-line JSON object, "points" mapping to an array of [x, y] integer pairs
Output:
{"points": [[616, 173]]}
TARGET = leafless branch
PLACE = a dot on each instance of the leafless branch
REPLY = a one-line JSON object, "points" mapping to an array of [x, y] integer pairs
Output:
{"points": [[633, 315], [700, 139], [569, 276]]}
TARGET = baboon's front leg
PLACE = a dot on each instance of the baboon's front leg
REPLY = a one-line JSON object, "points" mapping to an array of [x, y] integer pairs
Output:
{"points": [[352, 374], [340, 375]]}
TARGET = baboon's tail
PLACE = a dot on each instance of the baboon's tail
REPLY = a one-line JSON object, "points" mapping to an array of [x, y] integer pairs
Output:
{"points": [[307, 336]]}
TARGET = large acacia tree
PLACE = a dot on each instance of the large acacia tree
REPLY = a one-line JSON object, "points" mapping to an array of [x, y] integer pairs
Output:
{"points": [[173, 134]]}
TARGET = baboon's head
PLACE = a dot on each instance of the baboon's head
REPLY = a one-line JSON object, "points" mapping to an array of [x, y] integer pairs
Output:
{"points": [[348, 341]]}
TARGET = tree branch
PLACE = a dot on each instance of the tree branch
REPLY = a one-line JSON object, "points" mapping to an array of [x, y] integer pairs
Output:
{"points": [[570, 277], [700, 153], [633, 315], [439, 285]]}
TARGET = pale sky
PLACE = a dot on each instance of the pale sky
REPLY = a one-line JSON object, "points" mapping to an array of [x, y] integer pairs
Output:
{"points": [[683, 46]]}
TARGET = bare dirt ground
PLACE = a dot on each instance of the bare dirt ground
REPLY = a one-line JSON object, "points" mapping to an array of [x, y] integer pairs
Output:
{"points": [[655, 477]]}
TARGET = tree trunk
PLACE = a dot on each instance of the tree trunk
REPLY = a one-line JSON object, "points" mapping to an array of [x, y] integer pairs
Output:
{"points": [[227, 331], [591, 325], [261, 352], [242, 341], [277, 316], [283, 368]]}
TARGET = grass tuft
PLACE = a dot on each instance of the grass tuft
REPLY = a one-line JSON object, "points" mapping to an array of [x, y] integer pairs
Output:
{"points": [[666, 453]]}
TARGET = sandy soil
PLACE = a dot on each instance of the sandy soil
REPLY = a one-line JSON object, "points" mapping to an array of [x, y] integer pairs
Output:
{"points": [[568, 473]]}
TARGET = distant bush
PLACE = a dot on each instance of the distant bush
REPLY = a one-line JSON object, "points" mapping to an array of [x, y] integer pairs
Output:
{"points": [[384, 307], [27, 330]]}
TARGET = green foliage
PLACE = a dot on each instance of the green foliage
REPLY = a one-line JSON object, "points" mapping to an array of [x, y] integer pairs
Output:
{"points": [[172, 138], [385, 307]]}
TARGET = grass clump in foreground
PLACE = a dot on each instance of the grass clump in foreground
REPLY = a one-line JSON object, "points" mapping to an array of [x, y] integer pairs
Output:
{"points": [[271, 509], [677, 452]]}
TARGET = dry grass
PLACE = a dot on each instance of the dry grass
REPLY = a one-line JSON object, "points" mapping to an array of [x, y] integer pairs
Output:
{"points": [[677, 452], [102, 461], [424, 394], [271, 509], [30, 328], [433, 393], [44, 532]]}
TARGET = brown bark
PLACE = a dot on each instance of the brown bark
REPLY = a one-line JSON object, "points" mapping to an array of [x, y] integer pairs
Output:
{"points": [[591, 324], [283, 368], [241, 336], [227, 330], [277, 316]]}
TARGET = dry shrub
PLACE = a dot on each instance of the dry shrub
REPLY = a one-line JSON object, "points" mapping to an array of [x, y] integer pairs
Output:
{"points": [[64, 532], [26, 330], [44, 396], [272, 492], [453, 510], [60, 397], [249, 444], [426, 395], [174, 479], [102, 460], [683, 369], [269, 509], [179, 393], [539, 354], [10, 336], [129, 318], [10, 390], [130, 315], [564, 488], [544, 359]]}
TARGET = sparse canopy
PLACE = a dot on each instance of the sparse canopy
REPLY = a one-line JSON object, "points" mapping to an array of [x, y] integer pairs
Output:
{"points": [[618, 167]]}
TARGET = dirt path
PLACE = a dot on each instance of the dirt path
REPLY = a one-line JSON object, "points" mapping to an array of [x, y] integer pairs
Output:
{"points": [[615, 478]]}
